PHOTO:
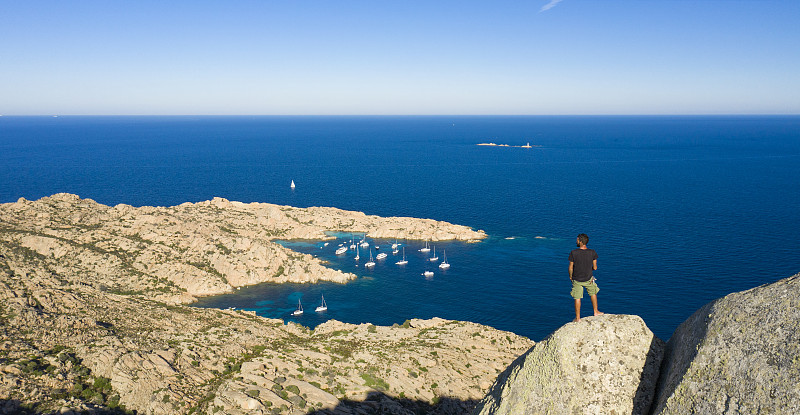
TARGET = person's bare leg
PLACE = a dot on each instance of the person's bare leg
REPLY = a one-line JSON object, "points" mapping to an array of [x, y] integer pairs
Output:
{"points": [[594, 305], [577, 309]]}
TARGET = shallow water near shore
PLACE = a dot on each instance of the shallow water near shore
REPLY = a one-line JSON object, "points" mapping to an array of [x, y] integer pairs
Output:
{"points": [[682, 210]]}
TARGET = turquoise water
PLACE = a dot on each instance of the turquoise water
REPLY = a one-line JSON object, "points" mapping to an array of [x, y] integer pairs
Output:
{"points": [[682, 210]]}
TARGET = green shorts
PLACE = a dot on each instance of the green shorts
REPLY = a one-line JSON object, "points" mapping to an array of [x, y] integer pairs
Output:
{"points": [[577, 288]]}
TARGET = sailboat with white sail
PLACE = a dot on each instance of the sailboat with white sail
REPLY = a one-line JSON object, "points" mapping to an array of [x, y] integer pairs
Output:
{"points": [[444, 264], [299, 310], [358, 254], [371, 263], [403, 261], [292, 185], [323, 306]]}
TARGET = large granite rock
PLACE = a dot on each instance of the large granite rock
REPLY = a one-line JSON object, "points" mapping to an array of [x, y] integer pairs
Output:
{"points": [[736, 355], [601, 365]]}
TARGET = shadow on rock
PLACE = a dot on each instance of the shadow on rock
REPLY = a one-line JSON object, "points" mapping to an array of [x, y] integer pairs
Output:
{"points": [[643, 399], [380, 403], [681, 349]]}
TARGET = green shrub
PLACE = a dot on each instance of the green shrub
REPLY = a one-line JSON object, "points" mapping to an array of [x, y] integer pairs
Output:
{"points": [[374, 382]]}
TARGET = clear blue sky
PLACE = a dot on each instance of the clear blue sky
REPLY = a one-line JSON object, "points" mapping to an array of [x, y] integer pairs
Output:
{"points": [[400, 57]]}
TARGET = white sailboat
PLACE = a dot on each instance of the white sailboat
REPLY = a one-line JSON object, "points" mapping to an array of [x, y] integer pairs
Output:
{"points": [[428, 274], [395, 245], [371, 263], [426, 249], [382, 255], [299, 310], [341, 250], [403, 261], [292, 185], [444, 264], [358, 254], [323, 306], [364, 243], [434, 257]]}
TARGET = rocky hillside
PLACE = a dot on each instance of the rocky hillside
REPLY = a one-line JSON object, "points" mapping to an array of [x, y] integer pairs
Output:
{"points": [[737, 355], [173, 254], [90, 318]]}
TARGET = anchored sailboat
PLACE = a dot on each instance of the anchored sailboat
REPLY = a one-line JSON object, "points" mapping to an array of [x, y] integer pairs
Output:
{"points": [[434, 257], [403, 261], [323, 306], [444, 264], [299, 310], [426, 249], [371, 263]]}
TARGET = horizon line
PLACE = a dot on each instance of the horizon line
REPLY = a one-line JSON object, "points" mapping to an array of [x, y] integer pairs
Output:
{"points": [[418, 115]]}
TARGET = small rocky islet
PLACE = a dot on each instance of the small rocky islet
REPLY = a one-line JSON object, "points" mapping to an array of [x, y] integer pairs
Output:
{"points": [[94, 318]]}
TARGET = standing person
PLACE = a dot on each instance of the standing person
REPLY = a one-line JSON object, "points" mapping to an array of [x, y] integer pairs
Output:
{"points": [[582, 261]]}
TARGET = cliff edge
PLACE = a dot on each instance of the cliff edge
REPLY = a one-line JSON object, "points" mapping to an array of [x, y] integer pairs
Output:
{"points": [[600, 365], [736, 355]]}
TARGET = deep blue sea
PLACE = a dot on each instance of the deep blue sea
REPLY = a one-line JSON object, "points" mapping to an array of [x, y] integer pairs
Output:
{"points": [[681, 209]]}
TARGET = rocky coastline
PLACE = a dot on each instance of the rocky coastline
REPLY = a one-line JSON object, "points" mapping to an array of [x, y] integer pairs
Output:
{"points": [[182, 252], [92, 306], [94, 320]]}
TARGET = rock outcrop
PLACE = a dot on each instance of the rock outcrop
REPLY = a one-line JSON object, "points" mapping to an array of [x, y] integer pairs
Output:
{"points": [[601, 365], [736, 355]]}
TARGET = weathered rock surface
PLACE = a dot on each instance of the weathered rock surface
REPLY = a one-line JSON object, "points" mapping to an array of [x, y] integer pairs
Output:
{"points": [[601, 365], [90, 318], [194, 249], [736, 355]]}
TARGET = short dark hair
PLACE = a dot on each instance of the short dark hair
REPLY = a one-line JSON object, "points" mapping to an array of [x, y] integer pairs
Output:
{"points": [[583, 238]]}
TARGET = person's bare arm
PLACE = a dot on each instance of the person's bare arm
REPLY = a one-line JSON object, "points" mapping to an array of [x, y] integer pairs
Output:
{"points": [[570, 269], [594, 265]]}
